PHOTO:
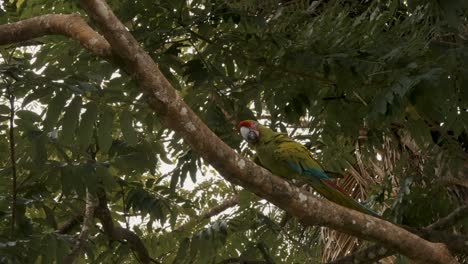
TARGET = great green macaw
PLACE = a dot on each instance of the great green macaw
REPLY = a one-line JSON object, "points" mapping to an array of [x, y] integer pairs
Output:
{"points": [[289, 159]]}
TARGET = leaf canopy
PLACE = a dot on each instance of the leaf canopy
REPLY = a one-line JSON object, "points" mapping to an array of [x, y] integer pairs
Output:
{"points": [[377, 90]]}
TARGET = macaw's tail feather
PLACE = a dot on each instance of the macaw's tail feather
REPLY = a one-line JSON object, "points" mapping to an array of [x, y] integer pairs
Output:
{"points": [[330, 182], [334, 193]]}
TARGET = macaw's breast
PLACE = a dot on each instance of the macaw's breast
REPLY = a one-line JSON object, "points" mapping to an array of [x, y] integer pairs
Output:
{"points": [[282, 155], [268, 159]]}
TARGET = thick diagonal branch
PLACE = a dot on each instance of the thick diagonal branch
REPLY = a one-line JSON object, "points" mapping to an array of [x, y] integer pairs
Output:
{"points": [[375, 252]]}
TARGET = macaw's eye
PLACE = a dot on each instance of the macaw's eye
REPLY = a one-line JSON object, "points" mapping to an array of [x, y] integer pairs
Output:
{"points": [[252, 136], [248, 134]]}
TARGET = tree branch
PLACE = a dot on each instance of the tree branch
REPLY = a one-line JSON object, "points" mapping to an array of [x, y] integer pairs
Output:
{"points": [[455, 243], [451, 219], [11, 138], [69, 224], [177, 115], [118, 233], [375, 252], [228, 203], [68, 25], [87, 224]]}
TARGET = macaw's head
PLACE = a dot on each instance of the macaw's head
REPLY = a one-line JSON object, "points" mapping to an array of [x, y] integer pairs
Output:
{"points": [[249, 130]]}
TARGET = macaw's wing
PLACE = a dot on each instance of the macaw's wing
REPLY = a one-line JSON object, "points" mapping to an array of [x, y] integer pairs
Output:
{"points": [[299, 160]]}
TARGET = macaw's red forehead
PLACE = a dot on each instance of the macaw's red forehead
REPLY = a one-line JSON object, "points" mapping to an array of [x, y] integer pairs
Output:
{"points": [[246, 123]]}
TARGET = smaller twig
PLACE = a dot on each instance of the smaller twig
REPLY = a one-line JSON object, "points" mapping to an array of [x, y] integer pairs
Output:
{"points": [[124, 202], [261, 247], [360, 98], [228, 203], [379, 72], [91, 203], [451, 219], [12, 159], [115, 232], [11, 99], [69, 224]]}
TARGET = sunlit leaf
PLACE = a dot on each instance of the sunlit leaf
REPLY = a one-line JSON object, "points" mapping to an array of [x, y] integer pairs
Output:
{"points": [[105, 130], [70, 120], [126, 125], [86, 127]]}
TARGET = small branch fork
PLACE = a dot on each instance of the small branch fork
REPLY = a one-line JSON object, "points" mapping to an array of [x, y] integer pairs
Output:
{"points": [[91, 203]]}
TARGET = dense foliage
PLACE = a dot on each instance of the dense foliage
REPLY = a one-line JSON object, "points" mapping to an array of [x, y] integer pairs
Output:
{"points": [[376, 89]]}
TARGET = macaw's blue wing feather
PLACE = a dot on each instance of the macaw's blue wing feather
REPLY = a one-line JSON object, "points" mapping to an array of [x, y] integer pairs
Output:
{"points": [[303, 169], [316, 172], [324, 185]]}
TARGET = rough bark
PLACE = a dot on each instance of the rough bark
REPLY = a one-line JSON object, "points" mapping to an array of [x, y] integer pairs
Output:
{"points": [[69, 224], [72, 26], [85, 229], [177, 115], [116, 232], [456, 243]]}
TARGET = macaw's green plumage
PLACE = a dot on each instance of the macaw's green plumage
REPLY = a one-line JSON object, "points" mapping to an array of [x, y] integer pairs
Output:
{"points": [[291, 160]]}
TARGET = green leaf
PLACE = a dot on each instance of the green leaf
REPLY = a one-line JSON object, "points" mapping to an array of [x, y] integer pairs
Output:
{"points": [[4, 109], [50, 247], [126, 124], [54, 109], [50, 217], [90, 178], [25, 125], [28, 116], [159, 148], [106, 178], [174, 179], [420, 132], [85, 130], [66, 179], [39, 150], [245, 197], [183, 251], [37, 94], [4, 118], [193, 171], [62, 250], [105, 130], [70, 120]]}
